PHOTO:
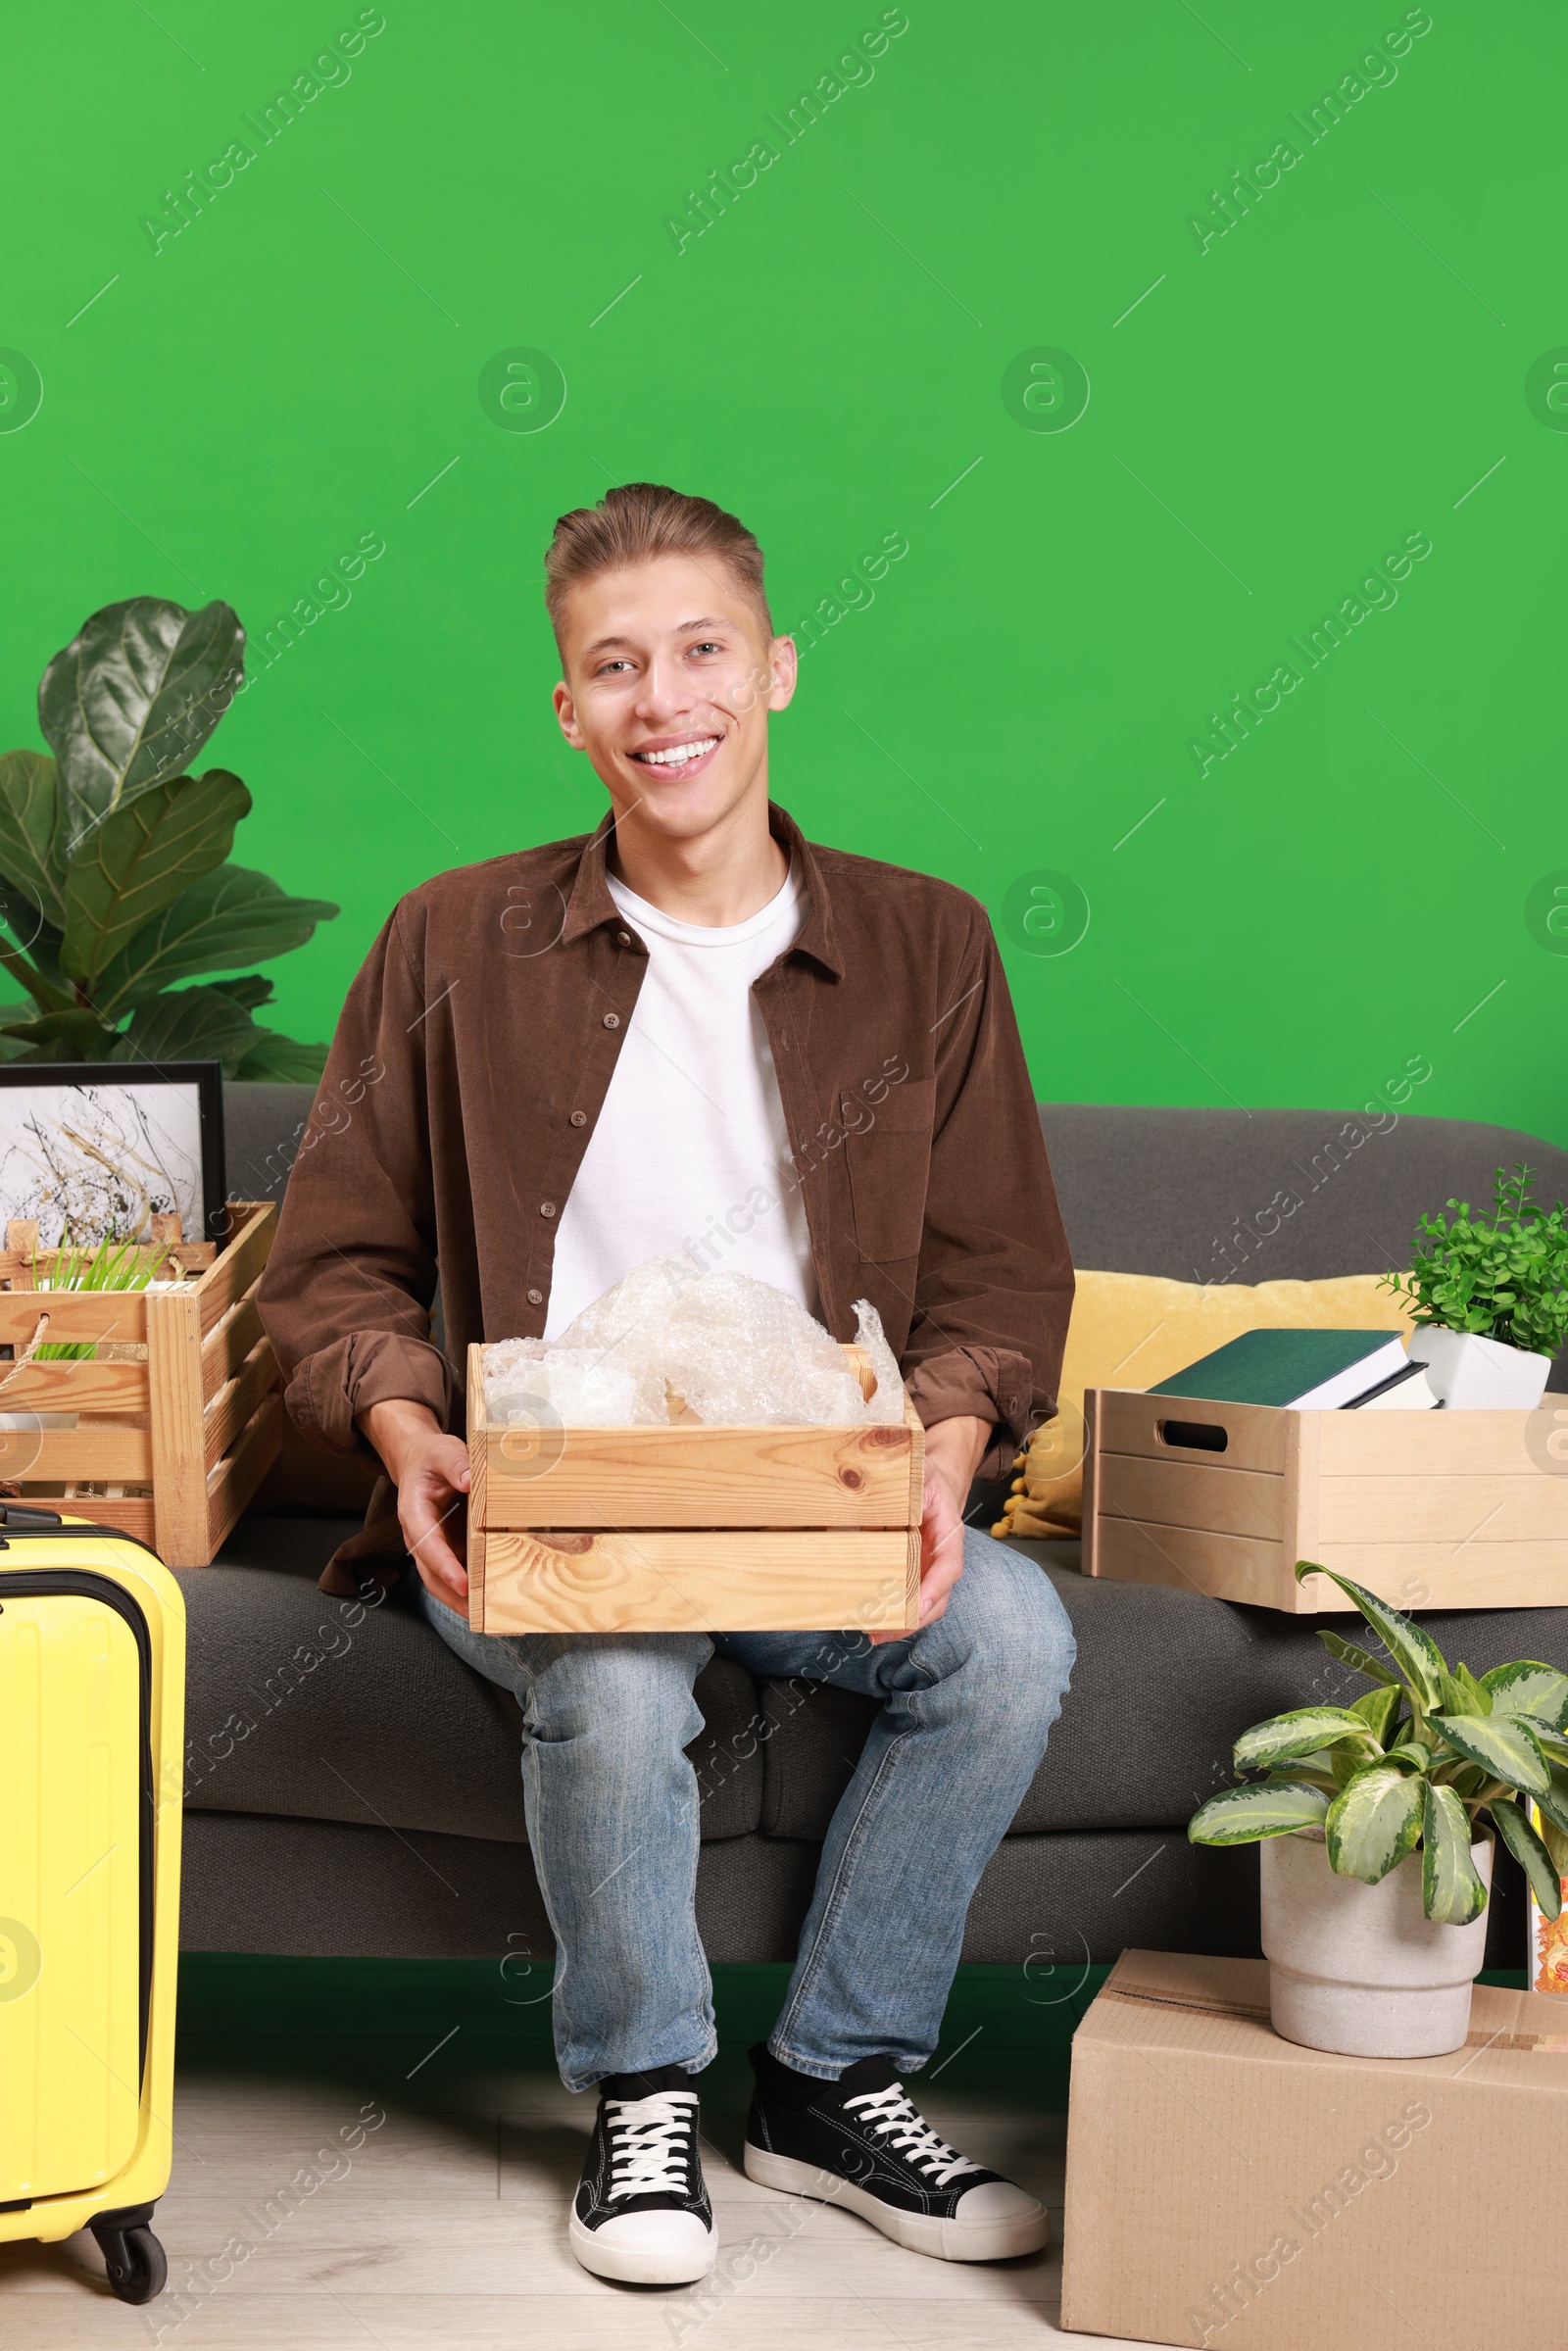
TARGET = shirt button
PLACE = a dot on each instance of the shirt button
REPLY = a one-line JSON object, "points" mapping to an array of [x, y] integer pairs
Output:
{"points": [[536, 1297], [612, 1020], [547, 1208], [623, 938], [579, 1118]]}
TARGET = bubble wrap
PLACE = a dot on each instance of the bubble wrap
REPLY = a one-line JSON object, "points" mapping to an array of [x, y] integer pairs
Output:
{"points": [[737, 1350]]}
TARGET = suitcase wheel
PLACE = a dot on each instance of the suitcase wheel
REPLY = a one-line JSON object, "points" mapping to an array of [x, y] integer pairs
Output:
{"points": [[137, 2265]]}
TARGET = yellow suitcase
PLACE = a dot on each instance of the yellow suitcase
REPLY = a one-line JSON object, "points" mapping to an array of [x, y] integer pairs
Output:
{"points": [[92, 1709]]}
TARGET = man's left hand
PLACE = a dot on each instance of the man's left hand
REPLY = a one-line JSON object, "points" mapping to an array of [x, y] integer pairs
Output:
{"points": [[954, 1451]]}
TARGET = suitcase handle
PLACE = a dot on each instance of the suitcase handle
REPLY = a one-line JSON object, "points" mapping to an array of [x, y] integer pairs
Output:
{"points": [[12, 1514]]}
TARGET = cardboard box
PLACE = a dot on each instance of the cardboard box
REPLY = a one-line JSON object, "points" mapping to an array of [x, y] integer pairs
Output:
{"points": [[693, 1526], [1226, 2187], [1427, 1509]]}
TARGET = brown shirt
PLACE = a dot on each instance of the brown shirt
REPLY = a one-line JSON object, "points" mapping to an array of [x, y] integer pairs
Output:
{"points": [[473, 1059]]}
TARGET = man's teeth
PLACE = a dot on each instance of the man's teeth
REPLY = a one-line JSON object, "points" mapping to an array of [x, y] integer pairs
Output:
{"points": [[679, 755]]}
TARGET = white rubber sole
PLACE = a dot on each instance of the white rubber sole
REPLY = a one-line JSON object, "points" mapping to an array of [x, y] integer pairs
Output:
{"points": [[919, 2231], [661, 2256]]}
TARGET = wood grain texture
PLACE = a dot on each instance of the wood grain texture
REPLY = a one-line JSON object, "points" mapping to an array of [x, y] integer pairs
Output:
{"points": [[231, 1484], [1199, 1492], [1129, 1422], [1525, 1507], [75, 1387], [239, 1263], [478, 1472], [1421, 1444], [1439, 1575], [73, 1314], [698, 1476], [696, 1580], [1229, 1567], [237, 1402], [228, 1343], [131, 1513], [178, 1438], [126, 1454]]}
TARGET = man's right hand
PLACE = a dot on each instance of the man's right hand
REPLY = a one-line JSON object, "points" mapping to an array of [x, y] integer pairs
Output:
{"points": [[430, 1471]]}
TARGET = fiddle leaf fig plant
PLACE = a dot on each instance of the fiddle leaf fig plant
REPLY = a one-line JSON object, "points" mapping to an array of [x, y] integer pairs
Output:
{"points": [[1504, 1277], [1411, 1764], [116, 887]]}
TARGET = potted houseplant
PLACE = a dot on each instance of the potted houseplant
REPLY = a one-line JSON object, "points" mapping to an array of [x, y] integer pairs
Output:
{"points": [[1490, 1297], [1373, 1817], [115, 883]]}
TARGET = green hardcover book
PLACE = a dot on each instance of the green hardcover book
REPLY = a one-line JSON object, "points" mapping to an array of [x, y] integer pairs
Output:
{"points": [[1312, 1370]]}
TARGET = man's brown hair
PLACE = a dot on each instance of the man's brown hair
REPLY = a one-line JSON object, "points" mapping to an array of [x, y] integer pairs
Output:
{"points": [[642, 519]]}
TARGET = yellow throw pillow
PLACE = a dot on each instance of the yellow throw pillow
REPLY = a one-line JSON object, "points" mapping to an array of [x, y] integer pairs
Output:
{"points": [[1129, 1330]]}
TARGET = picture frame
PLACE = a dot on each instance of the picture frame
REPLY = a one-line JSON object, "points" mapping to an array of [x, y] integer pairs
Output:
{"points": [[106, 1144]]}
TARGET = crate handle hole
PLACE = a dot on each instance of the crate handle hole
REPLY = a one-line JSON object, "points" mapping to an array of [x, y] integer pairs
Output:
{"points": [[1197, 1435]]}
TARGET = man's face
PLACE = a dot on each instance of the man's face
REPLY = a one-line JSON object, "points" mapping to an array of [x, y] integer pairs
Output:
{"points": [[670, 681]]}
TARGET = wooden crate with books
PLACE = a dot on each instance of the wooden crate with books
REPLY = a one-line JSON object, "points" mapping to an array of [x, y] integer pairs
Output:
{"points": [[692, 1527], [1197, 1485], [155, 1408]]}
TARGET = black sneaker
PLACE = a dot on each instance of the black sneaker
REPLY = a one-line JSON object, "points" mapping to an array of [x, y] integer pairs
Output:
{"points": [[860, 2142], [641, 2213]]}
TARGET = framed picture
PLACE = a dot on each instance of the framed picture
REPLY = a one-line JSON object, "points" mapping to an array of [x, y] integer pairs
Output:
{"points": [[93, 1148]]}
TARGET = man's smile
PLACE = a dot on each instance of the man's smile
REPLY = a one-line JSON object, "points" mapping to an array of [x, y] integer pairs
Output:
{"points": [[688, 752]]}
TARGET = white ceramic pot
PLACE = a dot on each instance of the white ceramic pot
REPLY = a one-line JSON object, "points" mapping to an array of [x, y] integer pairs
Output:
{"points": [[1362, 1969], [1479, 1375]]}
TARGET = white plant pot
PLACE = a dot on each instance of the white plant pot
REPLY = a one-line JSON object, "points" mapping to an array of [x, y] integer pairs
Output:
{"points": [[1362, 1969], [1479, 1375]]}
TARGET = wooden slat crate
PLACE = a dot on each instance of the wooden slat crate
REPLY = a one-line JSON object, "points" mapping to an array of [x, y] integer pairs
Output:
{"points": [[184, 1404], [1427, 1509], [693, 1528]]}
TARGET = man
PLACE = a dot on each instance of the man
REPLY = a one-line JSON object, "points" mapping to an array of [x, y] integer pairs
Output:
{"points": [[695, 1032]]}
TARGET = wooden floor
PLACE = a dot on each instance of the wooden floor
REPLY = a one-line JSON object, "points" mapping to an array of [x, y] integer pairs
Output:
{"points": [[445, 2230]]}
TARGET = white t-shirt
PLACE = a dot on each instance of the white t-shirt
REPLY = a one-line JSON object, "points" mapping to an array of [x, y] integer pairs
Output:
{"points": [[690, 1152]]}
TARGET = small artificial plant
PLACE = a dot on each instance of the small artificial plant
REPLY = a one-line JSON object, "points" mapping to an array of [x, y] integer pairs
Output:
{"points": [[111, 1265], [1504, 1277], [1413, 1762], [114, 884]]}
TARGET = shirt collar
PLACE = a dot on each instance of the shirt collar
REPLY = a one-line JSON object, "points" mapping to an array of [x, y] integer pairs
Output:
{"points": [[590, 904]]}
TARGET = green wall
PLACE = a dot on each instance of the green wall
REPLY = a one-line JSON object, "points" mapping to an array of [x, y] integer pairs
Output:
{"points": [[843, 355]]}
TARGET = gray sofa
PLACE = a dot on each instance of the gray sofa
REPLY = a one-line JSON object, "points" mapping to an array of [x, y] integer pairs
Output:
{"points": [[352, 1790]]}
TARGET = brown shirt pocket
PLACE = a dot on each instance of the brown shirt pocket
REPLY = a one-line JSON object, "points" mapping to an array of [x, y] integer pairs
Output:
{"points": [[889, 1164]]}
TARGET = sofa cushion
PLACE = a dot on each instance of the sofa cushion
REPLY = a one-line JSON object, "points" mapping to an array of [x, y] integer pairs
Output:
{"points": [[1164, 1684], [322, 1708]]}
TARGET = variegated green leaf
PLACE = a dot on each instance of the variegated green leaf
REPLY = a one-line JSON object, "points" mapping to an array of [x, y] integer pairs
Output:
{"points": [[1363, 1660], [1240, 1816], [1530, 1854], [1413, 1650], [1462, 1694], [1301, 1731], [1414, 1758], [1452, 1890], [1380, 1709], [1553, 1800], [1502, 1745], [1526, 1687], [1374, 1821]]}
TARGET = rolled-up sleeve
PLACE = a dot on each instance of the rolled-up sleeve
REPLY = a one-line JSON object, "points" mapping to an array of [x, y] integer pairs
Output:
{"points": [[347, 1294], [995, 1285]]}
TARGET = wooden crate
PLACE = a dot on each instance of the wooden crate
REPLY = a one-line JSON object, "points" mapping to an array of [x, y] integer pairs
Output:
{"points": [[180, 1414], [1427, 1509], [693, 1528]]}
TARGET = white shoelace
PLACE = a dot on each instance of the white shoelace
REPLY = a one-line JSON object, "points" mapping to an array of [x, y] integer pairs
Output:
{"points": [[892, 2117], [650, 2143]]}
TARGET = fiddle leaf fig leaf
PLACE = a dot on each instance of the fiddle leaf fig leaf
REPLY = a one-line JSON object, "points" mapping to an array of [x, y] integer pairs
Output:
{"points": [[1240, 1816], [280, 1060], [1374, 1821], [192, 1024], [133, 698], [140, 858], [229, 917], [1451, 1889], [29, 808]]}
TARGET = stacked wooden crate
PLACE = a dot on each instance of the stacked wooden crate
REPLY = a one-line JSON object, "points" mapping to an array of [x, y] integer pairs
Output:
{"points": [[179, 1410]]}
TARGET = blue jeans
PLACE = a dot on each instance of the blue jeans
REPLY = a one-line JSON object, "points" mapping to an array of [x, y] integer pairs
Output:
{"points": [[612, 1806]]}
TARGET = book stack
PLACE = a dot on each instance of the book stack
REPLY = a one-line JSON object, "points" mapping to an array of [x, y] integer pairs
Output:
{"points": [[1308, 1371]]}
